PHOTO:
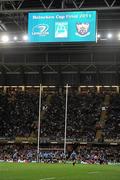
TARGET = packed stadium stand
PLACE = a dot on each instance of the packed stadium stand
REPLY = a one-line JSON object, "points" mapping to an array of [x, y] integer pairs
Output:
{"points": [[19, 111], [85, 154], [83, 113], [19, 117], [112, 126]]}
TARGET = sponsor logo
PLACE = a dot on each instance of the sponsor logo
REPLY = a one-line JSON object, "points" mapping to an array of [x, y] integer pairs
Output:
{"points": [[40, 30], [82, 29], [61, 29]]}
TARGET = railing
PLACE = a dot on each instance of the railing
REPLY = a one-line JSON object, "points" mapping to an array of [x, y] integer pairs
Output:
{"points": [[30, 140]]}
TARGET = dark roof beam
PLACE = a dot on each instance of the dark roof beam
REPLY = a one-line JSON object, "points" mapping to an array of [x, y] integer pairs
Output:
{"points": [[2, 26]]}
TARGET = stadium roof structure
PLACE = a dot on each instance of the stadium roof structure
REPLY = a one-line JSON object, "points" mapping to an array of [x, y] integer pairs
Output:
{"points": [[57, 64], [13, 13]]}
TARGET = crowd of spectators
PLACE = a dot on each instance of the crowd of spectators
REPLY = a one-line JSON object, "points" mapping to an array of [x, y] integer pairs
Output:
{"points": [[83, 114], [99, 153], [19, 115], [18, 111], [85, 154], [112, 126]]}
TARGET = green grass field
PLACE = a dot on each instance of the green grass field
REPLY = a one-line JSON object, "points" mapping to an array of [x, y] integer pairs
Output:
{"points": [[16, 171]]}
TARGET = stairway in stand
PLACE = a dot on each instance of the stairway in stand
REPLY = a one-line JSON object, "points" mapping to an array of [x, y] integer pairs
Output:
{"points": [[103, 117]]}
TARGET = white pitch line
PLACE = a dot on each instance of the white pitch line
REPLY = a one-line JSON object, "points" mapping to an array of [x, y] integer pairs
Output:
{"points": [[94, 172], [48, 178]]}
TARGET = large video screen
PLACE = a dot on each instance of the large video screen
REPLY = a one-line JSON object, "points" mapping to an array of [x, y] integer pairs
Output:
{"points": [[75, 26]]}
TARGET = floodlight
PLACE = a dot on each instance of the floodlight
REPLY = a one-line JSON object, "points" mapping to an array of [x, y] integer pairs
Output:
{"points": [[15, 38], [119, 36], [25, 37], [5, 38], [109, 35], [98, 35]]}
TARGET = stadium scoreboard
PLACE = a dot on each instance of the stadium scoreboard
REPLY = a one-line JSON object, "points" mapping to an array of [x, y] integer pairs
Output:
{"points": [[74, 26]]}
